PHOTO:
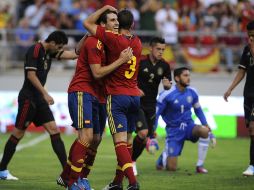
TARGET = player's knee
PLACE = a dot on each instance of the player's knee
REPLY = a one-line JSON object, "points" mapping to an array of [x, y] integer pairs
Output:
{"points": [[203, 132], [86, 135], [96, 141], [171, 168], [143, 134], [251, 128], [51, 128], [19, 134]]}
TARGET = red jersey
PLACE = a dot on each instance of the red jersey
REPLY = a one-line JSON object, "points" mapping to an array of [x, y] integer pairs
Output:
{"points": [[122, 81], [92, 52]]}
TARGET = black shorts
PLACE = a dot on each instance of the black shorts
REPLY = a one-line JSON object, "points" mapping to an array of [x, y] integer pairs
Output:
{"points": [[36, 111], [146, 118], [248, 110]]}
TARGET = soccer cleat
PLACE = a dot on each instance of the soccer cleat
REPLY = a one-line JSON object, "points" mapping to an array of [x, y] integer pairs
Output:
{"points": [[201, 170], [112, 186], [134, 167], [133, 187], [6, 175], [62, 182], [249, 171], [159, 163]]}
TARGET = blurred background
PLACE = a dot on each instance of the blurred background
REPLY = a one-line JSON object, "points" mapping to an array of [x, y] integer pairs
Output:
{"points": [[206, 35]]}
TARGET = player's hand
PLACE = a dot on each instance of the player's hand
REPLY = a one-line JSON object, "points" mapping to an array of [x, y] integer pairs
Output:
{"points": [[126, 54], [48, 99], [212, 140], [141, 93], [166, 83], [109, 7], [226, 95]]}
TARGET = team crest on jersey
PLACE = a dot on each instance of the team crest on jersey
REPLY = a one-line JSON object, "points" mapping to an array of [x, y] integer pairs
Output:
{"points": [[171, 150], [145, 70], [45, 65], [159, 71], [139, 124], [251, 61], [189, 99], [176, 101], [99, 45]]}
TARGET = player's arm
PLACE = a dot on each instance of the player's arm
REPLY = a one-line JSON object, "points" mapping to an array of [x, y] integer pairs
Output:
{"points": [[160, 107], [90, 22], [167, 79], [80, 44], [238, 78], [200, 114], [32, 77], [99, 71], [72, 54]]}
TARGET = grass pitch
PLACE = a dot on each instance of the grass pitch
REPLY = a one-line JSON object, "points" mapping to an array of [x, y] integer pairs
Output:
{"points": [[37, 167]]}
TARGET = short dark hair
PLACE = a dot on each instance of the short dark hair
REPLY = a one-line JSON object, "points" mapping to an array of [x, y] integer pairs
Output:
{"points": [[59, 37], [156, 40], [250, 25], [125, 19], [103, 17], [179, 71]]}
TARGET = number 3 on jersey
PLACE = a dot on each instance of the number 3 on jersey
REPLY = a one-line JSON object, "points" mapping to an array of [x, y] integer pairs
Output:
{"points": [[129, 74]]}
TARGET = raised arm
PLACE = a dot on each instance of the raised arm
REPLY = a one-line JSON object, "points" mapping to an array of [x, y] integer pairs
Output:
{"points": [[80, 44], [72, 54], [239, 76], [90, 22]]}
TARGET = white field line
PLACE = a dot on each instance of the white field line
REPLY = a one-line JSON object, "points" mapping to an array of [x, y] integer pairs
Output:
{"points": [[30, 143]]}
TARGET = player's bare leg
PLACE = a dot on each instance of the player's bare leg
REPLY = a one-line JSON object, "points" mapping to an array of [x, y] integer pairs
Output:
{"points": [[171, 163]]}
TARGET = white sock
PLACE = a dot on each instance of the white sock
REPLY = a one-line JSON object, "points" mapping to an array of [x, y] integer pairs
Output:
{"points": [[203, 145], [164, 159]]}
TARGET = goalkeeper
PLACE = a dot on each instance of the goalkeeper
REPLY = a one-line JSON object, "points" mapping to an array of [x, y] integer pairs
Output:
{"points": [[153, 69], [175, 106]]}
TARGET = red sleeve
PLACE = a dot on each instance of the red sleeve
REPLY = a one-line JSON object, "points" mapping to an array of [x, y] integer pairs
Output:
{"points": [[94, 49], [107, 37]]}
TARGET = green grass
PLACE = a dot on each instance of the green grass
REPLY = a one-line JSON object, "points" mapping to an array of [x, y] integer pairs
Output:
{"points": [[37, 167]]}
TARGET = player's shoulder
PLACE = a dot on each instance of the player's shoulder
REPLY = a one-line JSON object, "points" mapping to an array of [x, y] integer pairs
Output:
{"points": [[164, 62], [92, 41], [246, 50], [35, 49], [144, 57], [167, 93], [192, 89]]}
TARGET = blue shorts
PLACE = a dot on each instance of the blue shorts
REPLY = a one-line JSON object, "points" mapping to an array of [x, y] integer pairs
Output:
{"points": [[84, 110], [176, 137], [102, 119], [122, 113]]}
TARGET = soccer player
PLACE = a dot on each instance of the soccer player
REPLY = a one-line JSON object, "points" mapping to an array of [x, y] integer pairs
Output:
{"points": [[174, 106], [34, 100], [123, 94], [247, 67], [83, 102], [153, 69]]}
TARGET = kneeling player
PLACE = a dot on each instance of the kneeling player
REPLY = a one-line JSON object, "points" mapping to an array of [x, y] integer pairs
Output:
{"points": [[175, 106]]}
